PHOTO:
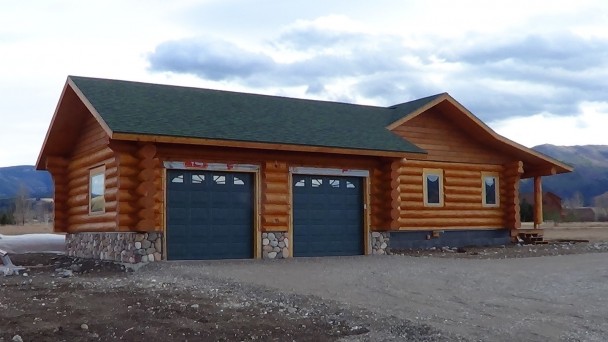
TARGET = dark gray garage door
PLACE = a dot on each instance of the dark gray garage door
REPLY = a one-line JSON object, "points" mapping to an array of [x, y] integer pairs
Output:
{"points": [[209, 215], [327, 215]]}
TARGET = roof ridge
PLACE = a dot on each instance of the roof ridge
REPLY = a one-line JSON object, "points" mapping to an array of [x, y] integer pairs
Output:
{"points": [[227, 91]]}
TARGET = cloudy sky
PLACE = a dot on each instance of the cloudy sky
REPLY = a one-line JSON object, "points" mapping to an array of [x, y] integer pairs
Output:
{"points": [[535, 71]]}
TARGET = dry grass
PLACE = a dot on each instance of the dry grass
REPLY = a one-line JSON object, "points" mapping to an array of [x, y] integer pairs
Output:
{"points": [[592, 231], [27, 229]]}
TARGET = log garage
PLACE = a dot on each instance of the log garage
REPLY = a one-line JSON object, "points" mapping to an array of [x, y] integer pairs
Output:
{"points": [[147, 172]]}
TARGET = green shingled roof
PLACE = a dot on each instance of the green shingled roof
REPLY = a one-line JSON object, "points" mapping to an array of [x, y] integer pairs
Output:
{"points": [[153, 109]]}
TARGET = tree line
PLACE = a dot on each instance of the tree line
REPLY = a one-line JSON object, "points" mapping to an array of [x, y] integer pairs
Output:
{"points": [[22, 209]]}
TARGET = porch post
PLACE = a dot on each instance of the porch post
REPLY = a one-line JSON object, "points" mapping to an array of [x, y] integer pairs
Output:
{"points": [[538, 202]]}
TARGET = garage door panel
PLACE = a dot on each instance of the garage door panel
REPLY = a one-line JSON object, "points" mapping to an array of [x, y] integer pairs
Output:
{"points": [[328, 215], [209, 215]]}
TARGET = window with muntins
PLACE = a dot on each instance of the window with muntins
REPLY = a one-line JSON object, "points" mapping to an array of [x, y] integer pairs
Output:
{"points": [[490, 190], [97, 189], [433, 187]]}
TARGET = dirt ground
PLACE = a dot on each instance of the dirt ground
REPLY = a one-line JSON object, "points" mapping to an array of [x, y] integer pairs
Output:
{"points": [[430, 295], [64, 299], [26, 229], [591, 231]]}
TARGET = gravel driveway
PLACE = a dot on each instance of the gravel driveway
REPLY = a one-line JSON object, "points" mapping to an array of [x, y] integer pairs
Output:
{"points": [[561, 297]]}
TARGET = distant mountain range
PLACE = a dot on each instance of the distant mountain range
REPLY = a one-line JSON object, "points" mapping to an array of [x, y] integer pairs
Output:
{"points": [[37, 183], [590, 176]]}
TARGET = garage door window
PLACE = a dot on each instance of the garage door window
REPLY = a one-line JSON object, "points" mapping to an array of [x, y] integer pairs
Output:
{"points": [[198, 179]]}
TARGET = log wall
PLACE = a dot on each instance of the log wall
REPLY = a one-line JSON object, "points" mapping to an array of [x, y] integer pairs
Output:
{"points": [[510, 178], [57, 166], [276, 205], [380, 197], [462, 190], [90, 150], [275, 199], [445, 141]]}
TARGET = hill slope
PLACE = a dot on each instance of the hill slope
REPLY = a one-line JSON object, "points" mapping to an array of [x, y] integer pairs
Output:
{"points": [[590, 176], [37, 183]]}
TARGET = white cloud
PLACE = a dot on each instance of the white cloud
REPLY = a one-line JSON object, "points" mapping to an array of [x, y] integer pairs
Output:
{"points": [[382, 53], [586, 128]]}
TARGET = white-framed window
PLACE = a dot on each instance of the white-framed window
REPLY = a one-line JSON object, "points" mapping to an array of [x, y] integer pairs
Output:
{"points": [[490, 189], [433, 187], [97, 189]]}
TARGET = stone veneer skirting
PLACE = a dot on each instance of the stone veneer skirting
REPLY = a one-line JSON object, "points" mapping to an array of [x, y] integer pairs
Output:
{"points": [[381, 243], [128, 247], [275, 245]]}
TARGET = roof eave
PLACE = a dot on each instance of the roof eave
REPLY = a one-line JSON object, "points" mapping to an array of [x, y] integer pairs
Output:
{"points": [[263, 145]]}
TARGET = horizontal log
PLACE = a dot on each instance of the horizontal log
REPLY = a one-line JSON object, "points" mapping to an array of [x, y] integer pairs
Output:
{"points": [[407, 179], [145, 202], [279, 228], [410, 171], [457, 205], [281, 188], [413, 205], [127, 220], [111, 171], [91, 159], [111, 182], [148, 164], [146, 225], [450, 213], [126, 159], [450, 222], [146, 189], [92, 227], [453, 189], [95, 218], [146, 175], [111, 194], [411, 196], [78, 200], [146, 213], [128, 171], [273, 198], [453, 166], [78, 181], [276, 177], [276, 165], [469, 182], [80, 209], [126, 196], [462, 173], [128, 183], [275, 220], [147, 151], [275, 209], [127, 208], [410, 188], [467, 198]]}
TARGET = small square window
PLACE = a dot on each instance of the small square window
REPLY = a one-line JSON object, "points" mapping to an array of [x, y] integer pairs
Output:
{"points": [[97, 202], [433, 187], [490, 190]]}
